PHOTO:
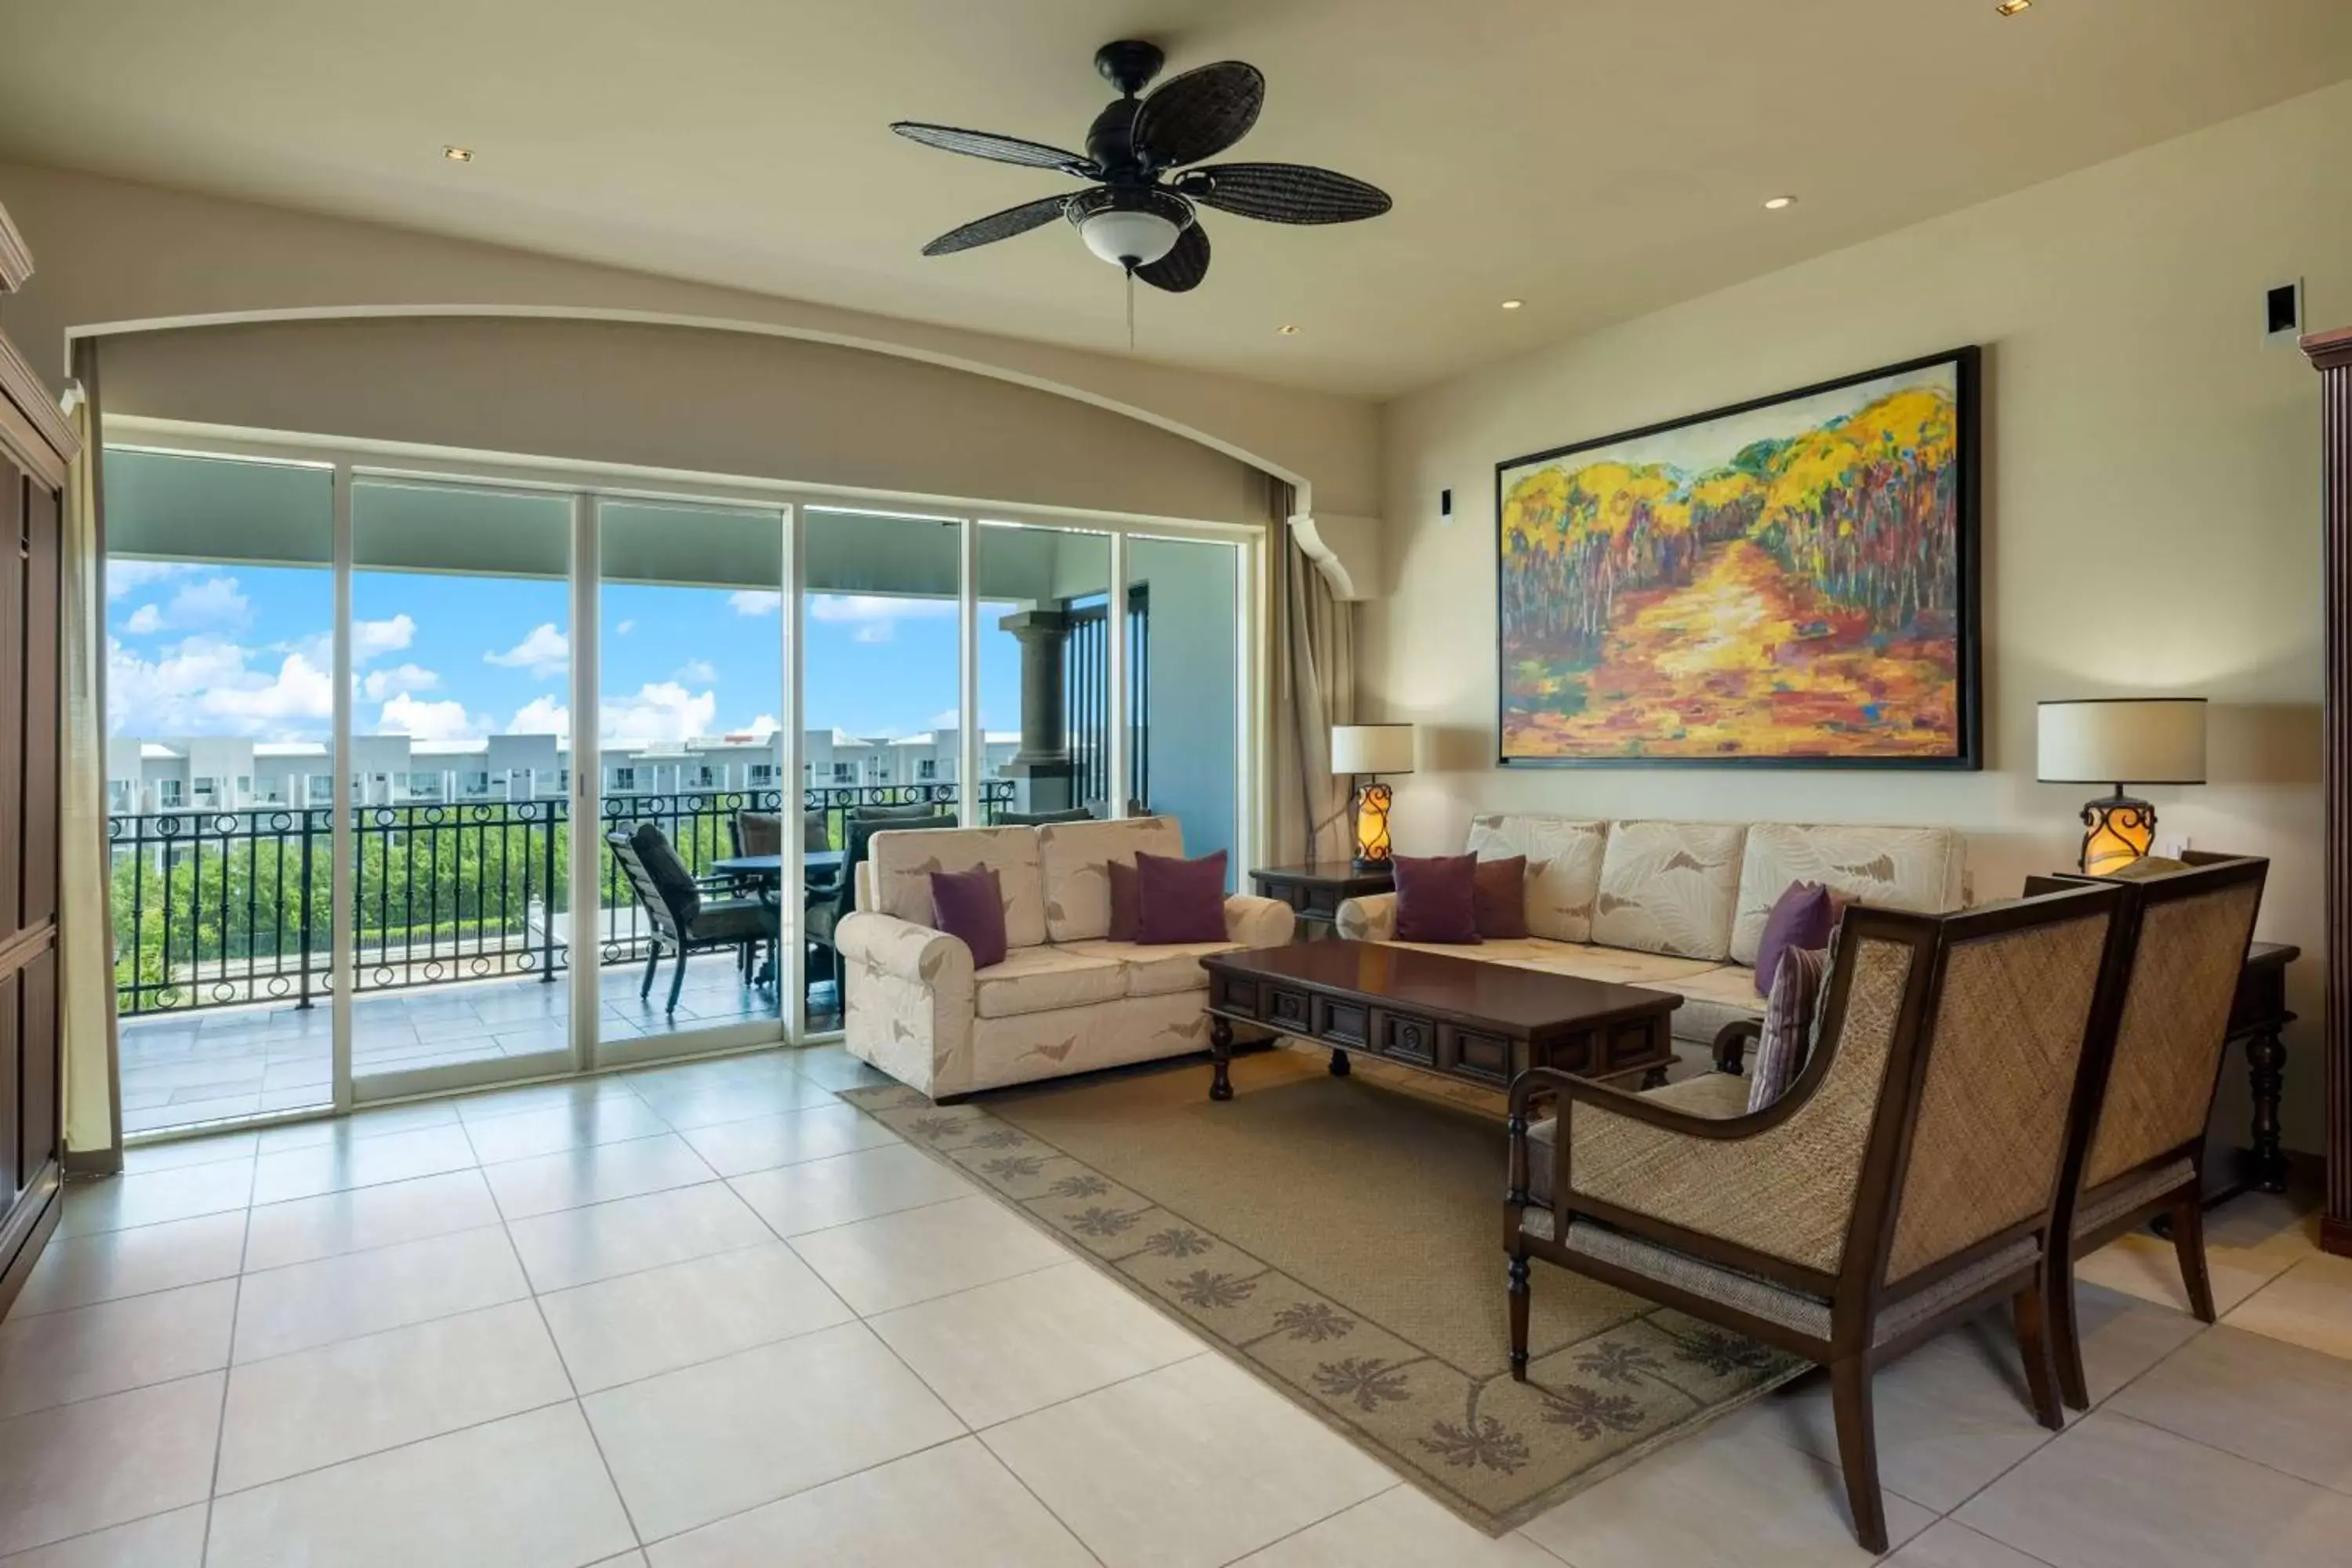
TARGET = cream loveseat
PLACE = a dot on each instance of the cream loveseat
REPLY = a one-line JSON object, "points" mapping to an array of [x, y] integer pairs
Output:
{"points": [[1067, 999], [1681, 906]]}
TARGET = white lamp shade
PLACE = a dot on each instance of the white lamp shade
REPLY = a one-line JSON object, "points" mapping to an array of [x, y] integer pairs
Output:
{"points": [[1371, 748], [2123, 740]]}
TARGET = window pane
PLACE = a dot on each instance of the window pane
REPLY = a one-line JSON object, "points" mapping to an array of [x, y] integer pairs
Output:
{"points": [[1186, 596], [1045, 693]]}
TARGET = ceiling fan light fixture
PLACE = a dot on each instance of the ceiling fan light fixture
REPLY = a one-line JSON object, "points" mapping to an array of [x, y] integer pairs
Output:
{"points": [[1130, 227]]}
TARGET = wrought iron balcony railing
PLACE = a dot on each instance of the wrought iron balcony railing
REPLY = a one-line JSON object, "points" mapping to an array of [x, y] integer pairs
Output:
{"points": [[215, 908]]}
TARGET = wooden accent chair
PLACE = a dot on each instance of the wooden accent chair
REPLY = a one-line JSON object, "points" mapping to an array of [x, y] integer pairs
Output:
{"points": [[2140, 1147], [684, 917], [1909, 1176]]}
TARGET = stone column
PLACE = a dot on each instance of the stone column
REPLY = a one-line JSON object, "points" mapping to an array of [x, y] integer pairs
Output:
{"points": [[1042, 770]]}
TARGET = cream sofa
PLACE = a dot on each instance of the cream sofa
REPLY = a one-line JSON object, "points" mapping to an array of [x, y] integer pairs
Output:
{"points": [[1681, 906], [1067, 999]]}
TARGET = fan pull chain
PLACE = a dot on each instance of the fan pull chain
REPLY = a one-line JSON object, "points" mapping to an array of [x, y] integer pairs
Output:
{"points": [[1130, 310]]}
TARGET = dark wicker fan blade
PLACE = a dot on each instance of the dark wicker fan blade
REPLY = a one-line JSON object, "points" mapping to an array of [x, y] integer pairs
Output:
{"points": [[1284, 192], [1182, 269], [999, 226], [1002, 149], [1199, 114]]}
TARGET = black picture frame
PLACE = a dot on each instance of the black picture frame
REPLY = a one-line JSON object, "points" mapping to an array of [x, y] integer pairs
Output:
{"points": [[1966, 362]]}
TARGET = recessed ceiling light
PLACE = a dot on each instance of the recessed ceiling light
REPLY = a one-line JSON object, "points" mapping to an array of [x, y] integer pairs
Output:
{"points": [[1513, 304], [458, 155], [1774, 203], [1287, 329], [2012, 7]]}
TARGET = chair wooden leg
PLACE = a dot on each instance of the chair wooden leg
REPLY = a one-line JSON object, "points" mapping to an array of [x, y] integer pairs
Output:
{"points": [[676, 979], [2066, 1332], [2188, 1245], [1857, 1438], [2034, 1343], [653, 966], [1518, 1294]]}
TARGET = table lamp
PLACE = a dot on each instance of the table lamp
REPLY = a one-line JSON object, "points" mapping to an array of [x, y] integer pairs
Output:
{"points": [[2117, 741], [1363, 752]]}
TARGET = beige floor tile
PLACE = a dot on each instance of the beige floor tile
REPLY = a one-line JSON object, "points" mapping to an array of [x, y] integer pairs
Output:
{"points": [[172, 1155], [896, 1260], [525, 1492], [693, 1446], [360, 1125], [1402, 1528], [318, 1407], [520, 1136], [2309, 1305], [815, 1193], [952, 1504], [1197, 1463], [717, 1100], [1726, 1498], [173, 1540], [571, 1094], [360, 1218], [618, 1331], [2145, 1265], [1946, 1544], [625, 1560], [2261, 1399], [576, 1246], [114, 1263], [836, 1069], [86, 1352], [764, 1143], [118, 1203], [594, 1172], [2123, 1336], [2114, 1491], [104, 1462], [306, 1304], [363, 1162], [999, 1351]]}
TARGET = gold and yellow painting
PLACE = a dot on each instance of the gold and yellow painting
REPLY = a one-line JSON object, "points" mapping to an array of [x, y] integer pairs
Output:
{"points": [[1789, 582]]}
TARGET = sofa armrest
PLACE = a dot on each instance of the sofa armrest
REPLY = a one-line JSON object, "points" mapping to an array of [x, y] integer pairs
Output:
{"points": [[1258, 923], [1371, 918], [907, 1001], [903, 950]]}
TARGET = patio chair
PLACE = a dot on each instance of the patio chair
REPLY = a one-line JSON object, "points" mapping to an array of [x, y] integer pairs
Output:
{"points": [[683, 920], [829, 905], [1909, 1177], [2140, 1150]]}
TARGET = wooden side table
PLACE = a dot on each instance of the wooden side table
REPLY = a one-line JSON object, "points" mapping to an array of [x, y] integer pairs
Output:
{"points": [[1315, 892], [2257, 1016]]}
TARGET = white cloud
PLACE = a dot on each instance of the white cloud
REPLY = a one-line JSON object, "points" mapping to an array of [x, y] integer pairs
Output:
{"points": [[755, 602], [404, 715], [539, 716], [544, 652], [697, 672], [209, 686], [371, 638], [125, 577], [625, 628], [947, 718], [380, 684], [765, 724], [144, 622], [215, 601], [876, 615], [660, 710]]}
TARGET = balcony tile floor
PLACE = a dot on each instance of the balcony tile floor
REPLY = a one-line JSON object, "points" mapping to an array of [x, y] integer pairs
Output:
{"points": [[640, 1319], [214, 1064]]}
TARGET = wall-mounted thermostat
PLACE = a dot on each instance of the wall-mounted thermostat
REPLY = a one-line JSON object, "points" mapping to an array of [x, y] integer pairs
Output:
{"points": [[2283, 312]]}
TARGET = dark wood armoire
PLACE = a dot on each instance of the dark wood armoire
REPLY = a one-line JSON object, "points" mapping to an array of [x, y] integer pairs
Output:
{"points": [[2331, 354], [36, 444]]}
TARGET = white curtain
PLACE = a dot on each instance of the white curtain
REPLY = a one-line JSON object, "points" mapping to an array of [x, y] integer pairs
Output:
{"points": [[85, 929], [1314, 689]]}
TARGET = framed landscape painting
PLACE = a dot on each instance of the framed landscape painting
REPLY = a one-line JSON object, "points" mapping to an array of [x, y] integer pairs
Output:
{"points": [[1791, 582]]}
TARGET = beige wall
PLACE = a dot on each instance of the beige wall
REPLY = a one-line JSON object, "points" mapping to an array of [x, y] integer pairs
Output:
{"points": [[111, 250], [672, 397], [2151, 516]]}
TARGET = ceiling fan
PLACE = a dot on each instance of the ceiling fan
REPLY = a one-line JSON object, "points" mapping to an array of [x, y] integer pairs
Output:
{"points": [[1140, 215]]}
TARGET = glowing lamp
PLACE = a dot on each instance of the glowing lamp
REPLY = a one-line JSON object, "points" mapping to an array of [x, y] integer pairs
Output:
{"points": [[2118, 741], [1363, 751]]}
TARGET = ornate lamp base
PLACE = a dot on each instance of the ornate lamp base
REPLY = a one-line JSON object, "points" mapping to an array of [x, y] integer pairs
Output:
{"points": [[2117, 830], [1372, 799]]}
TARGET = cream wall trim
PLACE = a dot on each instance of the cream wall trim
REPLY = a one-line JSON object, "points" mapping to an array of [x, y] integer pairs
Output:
{"points": [[15, 261], [232, 259], [2150, 522], [1346, 550], [34, 430]]}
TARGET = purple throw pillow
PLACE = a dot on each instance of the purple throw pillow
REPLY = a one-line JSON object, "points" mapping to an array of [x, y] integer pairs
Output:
{"points": [[1791, 1009], [1498, 894], [1438, 898], [1179, 900], [970, 905], [1126, 903], [1800, 918]]}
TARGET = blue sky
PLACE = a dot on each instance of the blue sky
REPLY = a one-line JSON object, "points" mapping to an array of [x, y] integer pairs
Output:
{"points": [[245, 650]]}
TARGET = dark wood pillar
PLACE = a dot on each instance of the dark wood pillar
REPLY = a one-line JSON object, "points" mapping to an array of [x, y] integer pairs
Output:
{"points": [[2331, 355]]}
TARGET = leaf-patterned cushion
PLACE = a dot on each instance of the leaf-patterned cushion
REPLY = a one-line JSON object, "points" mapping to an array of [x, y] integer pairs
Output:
{"points": [[1563, 854], [1914, 868], [1071, 861], [903, 864], [1669, 887]]}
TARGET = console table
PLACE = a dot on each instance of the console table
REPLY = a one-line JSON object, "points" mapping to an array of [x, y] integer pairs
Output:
{"points": [[1315, 892]]}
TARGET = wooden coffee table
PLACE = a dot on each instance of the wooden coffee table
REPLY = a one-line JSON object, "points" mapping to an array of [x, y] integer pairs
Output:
{"points": [[1456, 1017]]}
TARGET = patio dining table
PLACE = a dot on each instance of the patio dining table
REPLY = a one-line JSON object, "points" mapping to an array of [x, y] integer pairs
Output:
{"points": [[771, 867]]}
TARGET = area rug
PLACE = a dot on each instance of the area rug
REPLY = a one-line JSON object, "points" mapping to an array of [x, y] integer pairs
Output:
{"points": [[1342, 1240]]}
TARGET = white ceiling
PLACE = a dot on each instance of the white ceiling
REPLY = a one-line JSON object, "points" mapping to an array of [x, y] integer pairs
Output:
{"points": [[1596, 157]]}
